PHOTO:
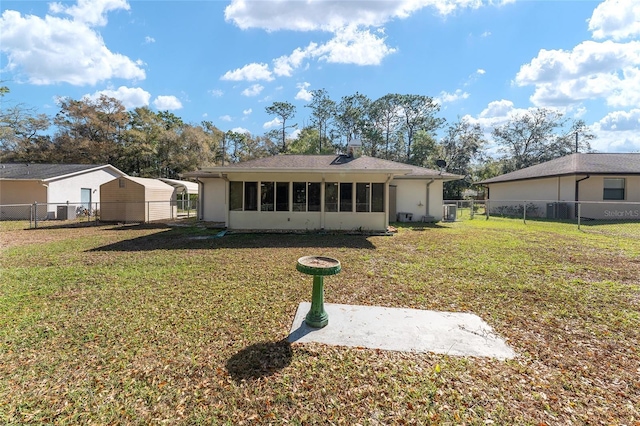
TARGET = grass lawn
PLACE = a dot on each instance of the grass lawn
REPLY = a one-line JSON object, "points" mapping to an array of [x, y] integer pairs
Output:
{"points": [[151, 325]]}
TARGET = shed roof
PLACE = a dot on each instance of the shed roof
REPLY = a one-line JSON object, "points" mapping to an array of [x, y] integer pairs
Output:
{"points": [[325, 164], [36, 171], [576, 164], [149, 183]]}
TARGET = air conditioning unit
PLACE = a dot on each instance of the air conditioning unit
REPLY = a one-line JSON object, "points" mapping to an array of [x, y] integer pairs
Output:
{"points": [[449, 212]]}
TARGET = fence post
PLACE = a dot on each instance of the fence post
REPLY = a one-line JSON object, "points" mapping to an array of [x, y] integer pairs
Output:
{"points": [[486, 208], [471, 213], [35, 214], [524, 213], [148, 218]]}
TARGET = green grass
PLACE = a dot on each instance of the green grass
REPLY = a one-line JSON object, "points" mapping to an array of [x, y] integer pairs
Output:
{"points": [[152, 325]]}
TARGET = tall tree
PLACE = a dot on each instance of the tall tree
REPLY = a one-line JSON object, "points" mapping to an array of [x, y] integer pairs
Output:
{"points": [[418, 113], [323, 109], [351, 113], [384, 122], [539, 135], [461, 148], [90, 131], [283, 111]]}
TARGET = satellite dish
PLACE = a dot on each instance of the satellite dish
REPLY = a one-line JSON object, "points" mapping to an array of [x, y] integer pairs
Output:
{"points": [[441, 163]]}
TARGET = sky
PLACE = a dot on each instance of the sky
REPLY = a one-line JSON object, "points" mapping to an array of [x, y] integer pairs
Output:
{"points": [[226, 61]]}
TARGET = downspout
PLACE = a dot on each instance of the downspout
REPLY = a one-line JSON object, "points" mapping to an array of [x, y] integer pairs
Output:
{"points": [[577, 197], [427, 201], [322, 203]]}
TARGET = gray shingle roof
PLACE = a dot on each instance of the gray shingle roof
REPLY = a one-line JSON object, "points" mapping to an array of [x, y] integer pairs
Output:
{"points": [[324, 163], [588, 163], [28, 171]]}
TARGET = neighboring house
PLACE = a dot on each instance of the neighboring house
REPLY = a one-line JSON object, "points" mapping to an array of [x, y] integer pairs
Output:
{"points": [[134, 199], [601, 181], [63, 188], [314, 192]]}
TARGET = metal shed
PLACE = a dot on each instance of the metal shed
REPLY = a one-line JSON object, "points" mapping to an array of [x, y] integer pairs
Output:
{"points": [[133, 199]]}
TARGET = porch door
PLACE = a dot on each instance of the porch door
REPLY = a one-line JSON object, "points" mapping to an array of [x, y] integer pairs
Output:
{"points": [[85, 198], [392, 203]]}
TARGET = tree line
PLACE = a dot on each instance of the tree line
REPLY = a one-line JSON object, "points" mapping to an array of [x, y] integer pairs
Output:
{"points": [[402, 128]]}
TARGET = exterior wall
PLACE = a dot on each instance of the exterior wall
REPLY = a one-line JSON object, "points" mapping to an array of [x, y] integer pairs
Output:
{"points": [[213, 200], [160, 203], [411, 197], [122, 204], [21, 192], [562, 189], [68, 190]]}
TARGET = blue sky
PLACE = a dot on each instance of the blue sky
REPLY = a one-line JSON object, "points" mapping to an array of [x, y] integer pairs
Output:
{"points": [[225, 61]]}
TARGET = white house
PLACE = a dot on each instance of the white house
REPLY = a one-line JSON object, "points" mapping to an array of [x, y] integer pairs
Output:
{"points": [[602, 183], [53, 186], [314, 192]]}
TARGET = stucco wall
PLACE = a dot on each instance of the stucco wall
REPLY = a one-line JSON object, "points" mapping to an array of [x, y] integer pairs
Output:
{"points": [[68, 189], [22, 192], [411, 197], [214, 200]]}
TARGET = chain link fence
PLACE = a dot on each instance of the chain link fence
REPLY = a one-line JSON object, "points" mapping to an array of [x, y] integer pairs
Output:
{"points": [[39, 215], [607, 218]]}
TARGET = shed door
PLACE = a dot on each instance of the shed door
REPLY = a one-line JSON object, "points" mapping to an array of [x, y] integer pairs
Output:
{"points": [[85, 198]]}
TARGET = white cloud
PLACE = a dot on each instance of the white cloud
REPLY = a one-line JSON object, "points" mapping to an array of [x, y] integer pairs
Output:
{"points": [[284, 65], [303, 94], [131, 97], [167, 103], [241, 130], [353, 45], [225, 118], [90, 12], [253, 90], [294, 134], [273, 123], [480, 71], [149, 40], [485, 34], [216, 93], [330, 15], [495, 114], [446, 97], [54, 50], [616, 19], [247, 111], [250, 72], [592, 70], [618, 131]]}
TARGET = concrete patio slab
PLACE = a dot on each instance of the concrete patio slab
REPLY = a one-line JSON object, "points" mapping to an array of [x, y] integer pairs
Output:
{"points": [[406, 330]]}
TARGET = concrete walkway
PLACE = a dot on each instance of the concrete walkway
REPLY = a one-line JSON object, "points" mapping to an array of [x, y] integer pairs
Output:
{"points": [[406, 330]]}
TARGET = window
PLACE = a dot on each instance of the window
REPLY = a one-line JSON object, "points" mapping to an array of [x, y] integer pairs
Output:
{"points": [[363, 191], [377, 197], [331, 197], [299, 196], [313, 195], [613, 189], [346, 197], [235, 196], [250, 196], [282, 196], [267, 195]]}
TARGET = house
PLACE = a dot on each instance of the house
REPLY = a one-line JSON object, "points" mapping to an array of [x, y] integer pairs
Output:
{"points": [[314, 192], [60, 188], [134, 199], [601, 182]]}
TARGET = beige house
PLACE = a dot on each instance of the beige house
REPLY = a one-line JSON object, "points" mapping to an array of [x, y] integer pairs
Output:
{"points": [[133, 199], [606, 185], [316, 192], [60, 189]]}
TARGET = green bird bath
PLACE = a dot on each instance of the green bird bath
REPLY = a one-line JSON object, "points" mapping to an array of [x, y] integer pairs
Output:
{"points": [[319, 267]]}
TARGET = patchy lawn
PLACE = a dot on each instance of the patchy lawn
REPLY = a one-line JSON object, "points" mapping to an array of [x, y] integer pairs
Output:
{"points": [[150, 325]]}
